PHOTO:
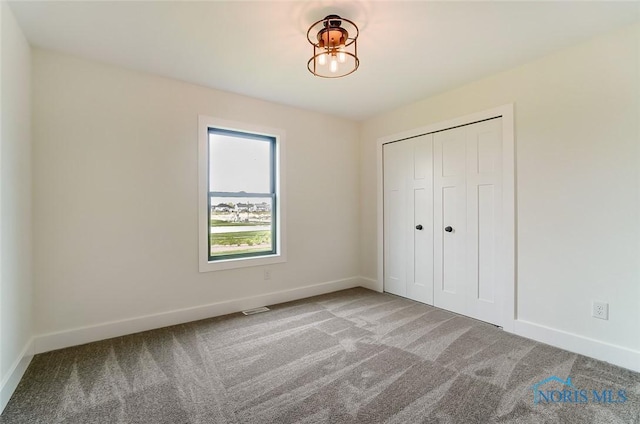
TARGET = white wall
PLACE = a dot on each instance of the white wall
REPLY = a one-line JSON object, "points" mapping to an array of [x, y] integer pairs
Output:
{"points": [[115, 195], [578, 186], [15, 204]]}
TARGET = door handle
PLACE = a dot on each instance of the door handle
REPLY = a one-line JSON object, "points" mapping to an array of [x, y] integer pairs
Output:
{"points": [[419, 227], [448, 229]]}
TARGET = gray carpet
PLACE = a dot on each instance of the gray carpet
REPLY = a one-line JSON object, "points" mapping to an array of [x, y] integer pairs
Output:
{"points": [[354, 356]]}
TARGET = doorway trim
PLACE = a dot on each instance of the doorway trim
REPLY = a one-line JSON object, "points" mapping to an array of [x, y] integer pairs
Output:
{"points": [[507, 254]]}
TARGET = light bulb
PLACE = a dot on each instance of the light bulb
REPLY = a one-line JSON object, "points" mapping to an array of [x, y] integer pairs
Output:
{"points": [[334, 65], [341, 54], [322, 59]]}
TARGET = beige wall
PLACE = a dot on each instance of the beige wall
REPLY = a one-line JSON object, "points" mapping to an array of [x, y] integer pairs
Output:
{"points": [[115, 195], [577, 170], [15, 199]]}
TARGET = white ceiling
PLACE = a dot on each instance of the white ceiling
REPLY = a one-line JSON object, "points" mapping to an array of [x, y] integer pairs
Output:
{"points": [[408, 50]]}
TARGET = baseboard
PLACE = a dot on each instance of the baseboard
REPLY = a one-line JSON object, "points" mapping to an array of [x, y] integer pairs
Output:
{"points": [[82, 335], [617, 355], [10, 381], [370, 283]]}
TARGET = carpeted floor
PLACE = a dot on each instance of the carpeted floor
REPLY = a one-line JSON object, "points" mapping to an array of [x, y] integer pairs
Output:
{"points": [[354, 356]]}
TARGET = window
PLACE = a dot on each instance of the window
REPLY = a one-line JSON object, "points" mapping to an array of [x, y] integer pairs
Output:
{"points": [[241, 196]]}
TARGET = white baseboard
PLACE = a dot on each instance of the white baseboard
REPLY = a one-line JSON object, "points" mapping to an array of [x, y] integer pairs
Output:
{"points": [[82, 335], [371, 284], [617, 355], [10, 381]]}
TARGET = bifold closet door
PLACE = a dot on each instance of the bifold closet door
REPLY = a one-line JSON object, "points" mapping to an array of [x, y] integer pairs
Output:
{"points": [[467, 212], [450, 222], [408, 218]]}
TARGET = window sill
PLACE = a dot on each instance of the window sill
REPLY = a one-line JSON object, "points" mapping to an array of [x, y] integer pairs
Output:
{"points": [[207, 266]]}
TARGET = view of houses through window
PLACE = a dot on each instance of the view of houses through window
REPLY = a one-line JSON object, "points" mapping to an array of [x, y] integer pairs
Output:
{"points": [[240, 226], [241, 194]]}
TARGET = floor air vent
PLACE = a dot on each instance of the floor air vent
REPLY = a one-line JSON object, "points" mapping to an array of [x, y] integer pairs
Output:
{"points": [[256, 310]]}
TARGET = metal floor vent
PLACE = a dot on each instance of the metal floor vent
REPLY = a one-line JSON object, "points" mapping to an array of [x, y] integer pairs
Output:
{"points": [[256, 310]]}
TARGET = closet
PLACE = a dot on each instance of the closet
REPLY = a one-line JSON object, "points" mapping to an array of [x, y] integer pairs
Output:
{"points": [[442, 197]]}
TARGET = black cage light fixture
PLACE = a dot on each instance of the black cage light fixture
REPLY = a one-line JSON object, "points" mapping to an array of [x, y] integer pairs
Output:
{"points": [[335, 47]]}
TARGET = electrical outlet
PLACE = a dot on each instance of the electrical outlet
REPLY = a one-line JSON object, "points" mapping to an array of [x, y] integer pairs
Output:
{"points": [[600, 310], [267, 274]]}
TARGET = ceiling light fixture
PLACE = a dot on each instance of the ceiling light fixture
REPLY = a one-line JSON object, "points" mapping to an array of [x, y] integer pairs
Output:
{"points": [[335, 47]]}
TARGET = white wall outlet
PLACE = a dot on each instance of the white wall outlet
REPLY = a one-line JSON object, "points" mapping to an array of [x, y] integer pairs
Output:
{"points": [[267, 274], [600, 310]]}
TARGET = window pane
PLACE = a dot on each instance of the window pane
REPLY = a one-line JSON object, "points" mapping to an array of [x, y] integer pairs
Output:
{"points": [[239, 164], [240, 225]]}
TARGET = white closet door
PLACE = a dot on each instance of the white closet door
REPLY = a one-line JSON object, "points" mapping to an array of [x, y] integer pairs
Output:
{"points": [[468, 194], [450, 220], [396, 156], [484, 214], [420, 274], [408, 218]]}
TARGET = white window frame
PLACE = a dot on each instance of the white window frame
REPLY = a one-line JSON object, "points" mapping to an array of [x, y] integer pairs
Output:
{"points": [[204, 123]]}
